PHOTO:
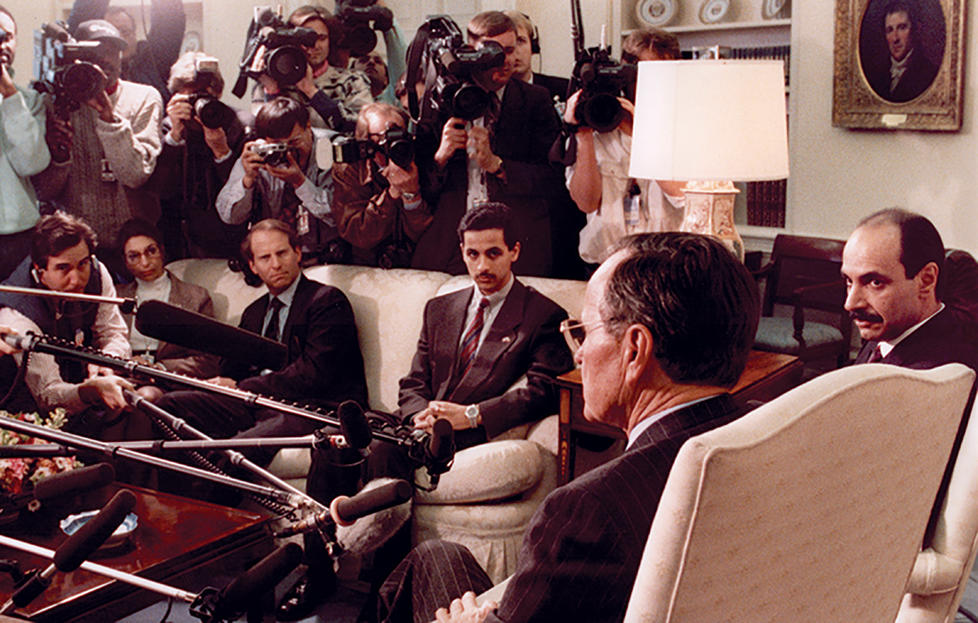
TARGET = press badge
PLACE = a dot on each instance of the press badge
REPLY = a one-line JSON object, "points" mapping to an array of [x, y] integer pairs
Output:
{"points": [[107, 174], [302, 221]]}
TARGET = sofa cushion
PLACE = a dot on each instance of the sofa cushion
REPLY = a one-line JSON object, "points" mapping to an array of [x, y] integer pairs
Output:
{"points": [[487, 472]]}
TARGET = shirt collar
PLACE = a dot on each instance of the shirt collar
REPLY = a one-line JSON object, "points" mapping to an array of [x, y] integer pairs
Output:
{"points": [[159, 281], [499, 295], [886, 347], [289, 293], [643, 425]]}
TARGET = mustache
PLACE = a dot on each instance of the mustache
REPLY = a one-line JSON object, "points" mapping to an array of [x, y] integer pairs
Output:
{"points": [[865, 316]]}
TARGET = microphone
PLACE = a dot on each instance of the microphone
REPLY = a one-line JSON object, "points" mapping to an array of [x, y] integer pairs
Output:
{"points": [[441, 447], [76, 548], [344, 510], [176, 325], [74, 481], [269, 571], [354, 425], [20, 342]]}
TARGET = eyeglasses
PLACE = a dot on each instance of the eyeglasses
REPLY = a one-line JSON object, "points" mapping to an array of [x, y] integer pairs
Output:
{"points": [[150, 252], [575, 332]]}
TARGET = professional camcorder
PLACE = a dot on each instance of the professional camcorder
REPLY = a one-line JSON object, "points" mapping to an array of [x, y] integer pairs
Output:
{"points": [[272, 153], [360, 18], [210, 111], [397, 145], [602, 80], [439, 44], [65, 68], [273, 48]]}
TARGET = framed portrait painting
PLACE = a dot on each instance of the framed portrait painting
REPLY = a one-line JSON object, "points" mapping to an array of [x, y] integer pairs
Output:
{"points": [[899, 64]]}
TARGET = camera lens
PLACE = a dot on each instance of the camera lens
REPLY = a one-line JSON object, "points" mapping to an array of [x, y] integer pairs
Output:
{"points": [[469, 102], [82, 81], [602, 112], [286, 65], [212, 113], [360, 40], [401, 152]]}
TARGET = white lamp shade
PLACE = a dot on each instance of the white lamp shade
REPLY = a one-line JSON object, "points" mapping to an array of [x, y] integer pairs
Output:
{"points": [[710, 120]]}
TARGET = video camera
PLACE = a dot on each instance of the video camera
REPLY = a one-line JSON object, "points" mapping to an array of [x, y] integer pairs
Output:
{"points": [[273, 48], [601, 80], [439, 44], [360, 18], [210, 111], [65, 68], [397, 145]]}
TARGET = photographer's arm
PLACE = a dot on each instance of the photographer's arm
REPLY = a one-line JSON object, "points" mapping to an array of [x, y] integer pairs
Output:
{"points": [[396, 61], [22, 121], [234, 202], [583, 176], [166, 28], [84, 10], [132, 141]]}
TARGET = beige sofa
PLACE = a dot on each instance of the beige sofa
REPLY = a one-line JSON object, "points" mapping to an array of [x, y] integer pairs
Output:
{"points": [[486, 500]]}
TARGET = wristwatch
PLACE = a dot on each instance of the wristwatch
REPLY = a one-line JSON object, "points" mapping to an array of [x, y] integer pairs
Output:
{"points": [[472, 414]]}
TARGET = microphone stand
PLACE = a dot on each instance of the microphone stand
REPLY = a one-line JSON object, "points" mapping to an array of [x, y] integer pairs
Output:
{"points": [[78, 441], [127, 306]]}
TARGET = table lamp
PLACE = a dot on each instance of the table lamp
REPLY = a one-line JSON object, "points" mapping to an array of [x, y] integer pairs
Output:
{"points": [[710, 122]]}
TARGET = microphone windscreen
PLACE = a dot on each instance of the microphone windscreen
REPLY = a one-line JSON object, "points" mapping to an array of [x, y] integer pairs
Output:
{"points": [[354, 424], [347, 510], [441, 447], [256, 581], [80, 545], [176, 325], [74, 481]]}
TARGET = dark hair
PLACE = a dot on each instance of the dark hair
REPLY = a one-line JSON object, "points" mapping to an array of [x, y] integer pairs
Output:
{"points": [[268, 224], [898, 6], [663, 43], [489, 24], [489, 215], [697, 300], [920, 242], [56, 233], [138, 227], [277, 118]]}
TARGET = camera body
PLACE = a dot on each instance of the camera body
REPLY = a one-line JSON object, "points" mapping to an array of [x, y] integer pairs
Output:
{"points": [[272, 153], [453, 92], [360, 18], [65, 68], [274, 48], [397, 145], [602, 80], [210, 111]]}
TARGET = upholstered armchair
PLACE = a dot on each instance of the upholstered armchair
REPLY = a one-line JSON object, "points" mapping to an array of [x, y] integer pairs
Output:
{"points": [[810, 508]]}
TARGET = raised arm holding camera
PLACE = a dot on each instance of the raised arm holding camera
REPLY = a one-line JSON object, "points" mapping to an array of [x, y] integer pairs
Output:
{"points": [[23, 153], [378, 203], [202, 139], [278, 176]]}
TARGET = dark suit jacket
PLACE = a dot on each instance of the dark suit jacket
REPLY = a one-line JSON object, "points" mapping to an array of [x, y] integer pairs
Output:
{"points": [[582, 549], [524, 339], [174, 357], [324, 361], [526, 128], [556, 85], [945, 338], [918, 76]]}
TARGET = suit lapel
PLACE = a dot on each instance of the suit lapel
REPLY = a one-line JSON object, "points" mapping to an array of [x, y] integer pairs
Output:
{"points": [[499, 339], [297, 308], [453, 322]]}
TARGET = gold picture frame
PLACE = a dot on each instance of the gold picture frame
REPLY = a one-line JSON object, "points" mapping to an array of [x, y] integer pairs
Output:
{"points": [[929, 90]]}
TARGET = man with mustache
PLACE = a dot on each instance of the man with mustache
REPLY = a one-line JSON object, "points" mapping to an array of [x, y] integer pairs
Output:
{"points": [[893, 264]]}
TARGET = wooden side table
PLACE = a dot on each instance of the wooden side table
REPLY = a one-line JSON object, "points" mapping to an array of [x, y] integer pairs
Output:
{"points": [[767, 376]]}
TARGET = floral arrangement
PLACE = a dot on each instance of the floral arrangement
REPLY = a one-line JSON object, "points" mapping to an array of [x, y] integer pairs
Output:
{"points": [[18, 475]]}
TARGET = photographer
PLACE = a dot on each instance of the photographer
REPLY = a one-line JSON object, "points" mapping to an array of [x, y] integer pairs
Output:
{"points": [[147, 61], [23, 153], [111, 143], [335, 94], [277, 176], [378, 203], [383, 75], [500, 156], [616, 204], [202, 138]]}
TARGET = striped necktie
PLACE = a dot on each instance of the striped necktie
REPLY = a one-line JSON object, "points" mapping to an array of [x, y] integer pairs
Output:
{"points": [[470, 342]]}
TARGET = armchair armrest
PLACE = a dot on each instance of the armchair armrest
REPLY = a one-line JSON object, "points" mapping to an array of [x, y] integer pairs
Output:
{"points": [[491, 471], [934, 573]]}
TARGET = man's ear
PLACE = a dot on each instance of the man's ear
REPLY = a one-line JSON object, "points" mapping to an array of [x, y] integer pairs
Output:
{"points": [[637, 352], [516, 251], [927, 279]]}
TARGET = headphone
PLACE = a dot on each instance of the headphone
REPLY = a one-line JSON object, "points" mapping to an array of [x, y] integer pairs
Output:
{"points": [[534, 35]]}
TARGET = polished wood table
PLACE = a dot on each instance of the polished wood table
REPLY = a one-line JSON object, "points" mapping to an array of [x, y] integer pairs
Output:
{"points": [[767, 376], [179, 541]]}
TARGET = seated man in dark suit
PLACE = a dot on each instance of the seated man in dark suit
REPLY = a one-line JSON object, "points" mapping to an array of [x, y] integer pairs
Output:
{"points": [[893, 264], [144, 255], [323, 367], [667, 325], [469, 357]]}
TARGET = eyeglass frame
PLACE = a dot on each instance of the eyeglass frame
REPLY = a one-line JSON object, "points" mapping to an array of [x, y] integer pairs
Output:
{"points": [[567, 328], [151, 251]]}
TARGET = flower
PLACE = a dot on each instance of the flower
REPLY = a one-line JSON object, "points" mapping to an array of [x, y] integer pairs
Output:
{"points": [[17, 473]]}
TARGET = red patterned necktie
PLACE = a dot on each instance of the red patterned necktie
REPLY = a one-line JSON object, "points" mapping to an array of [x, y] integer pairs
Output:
{"points": [[470, 342], [875, 356]]}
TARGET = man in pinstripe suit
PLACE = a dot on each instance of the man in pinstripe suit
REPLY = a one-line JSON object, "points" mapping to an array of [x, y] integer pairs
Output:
{"points": [[667, 324]]}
